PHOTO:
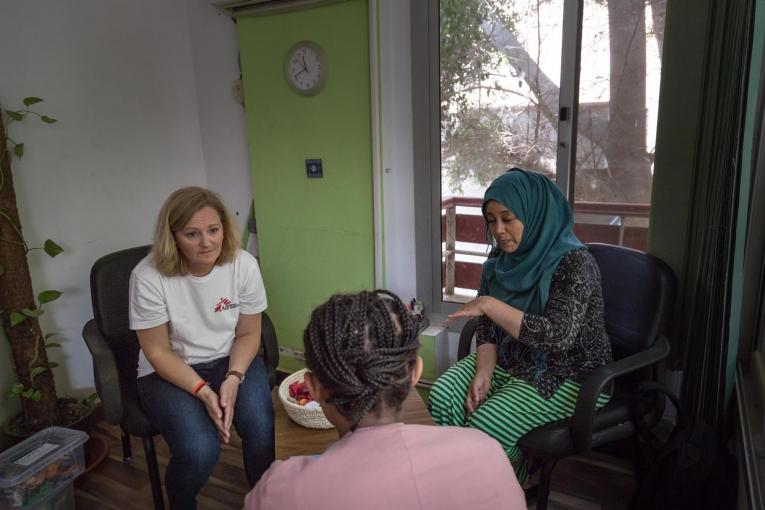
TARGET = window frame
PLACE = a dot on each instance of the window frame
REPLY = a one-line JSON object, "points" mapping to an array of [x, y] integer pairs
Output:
{"points": [[426, 132]]}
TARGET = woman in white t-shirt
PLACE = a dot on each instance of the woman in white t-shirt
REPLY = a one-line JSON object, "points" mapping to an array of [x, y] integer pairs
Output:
{"points": [[195, 304]]}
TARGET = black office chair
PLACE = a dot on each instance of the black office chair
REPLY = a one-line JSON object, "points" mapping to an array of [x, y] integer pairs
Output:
{"points": [[638, 293], [114, 348]]}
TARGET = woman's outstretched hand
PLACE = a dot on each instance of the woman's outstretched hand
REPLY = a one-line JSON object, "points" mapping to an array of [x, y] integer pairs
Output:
{"points": [[473, 308], [502, 314], [229, 389], [210, 399]]}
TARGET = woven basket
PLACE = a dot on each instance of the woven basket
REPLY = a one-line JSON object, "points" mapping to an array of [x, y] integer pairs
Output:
{"points": [[310, 418]]}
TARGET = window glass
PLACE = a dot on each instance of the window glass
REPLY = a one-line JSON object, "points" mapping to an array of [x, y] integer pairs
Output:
{"points": [[500, 83], [500, 68], [618, 106]]}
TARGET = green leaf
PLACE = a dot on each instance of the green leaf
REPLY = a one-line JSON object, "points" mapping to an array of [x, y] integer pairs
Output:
{"points": [[51, 248], [14, 115], [51, 335], [29, 101], [19, 150], [36, 371], [17, 388], [52, 364], [27, 393], [48, 120], [88, 401], [47, 296], [51, 345], [17, 318], [36, 395], [32, 313]]}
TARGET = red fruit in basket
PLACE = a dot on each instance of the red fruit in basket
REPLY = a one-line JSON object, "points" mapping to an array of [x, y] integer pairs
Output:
{"points": [[299, 391], [293, 388]]}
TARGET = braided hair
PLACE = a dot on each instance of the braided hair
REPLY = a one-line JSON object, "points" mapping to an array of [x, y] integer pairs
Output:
{"points": [[362, 347]]}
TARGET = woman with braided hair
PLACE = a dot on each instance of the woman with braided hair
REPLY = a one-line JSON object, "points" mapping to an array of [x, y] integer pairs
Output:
{"points": [[540, 320], [361, 350]]}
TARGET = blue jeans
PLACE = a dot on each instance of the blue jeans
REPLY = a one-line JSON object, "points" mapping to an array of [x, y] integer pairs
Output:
{"points": [[182, 420]]}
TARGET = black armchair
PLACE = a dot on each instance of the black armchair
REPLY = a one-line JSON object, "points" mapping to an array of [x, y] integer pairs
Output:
{"points": [[114, 348], [638, 293]]}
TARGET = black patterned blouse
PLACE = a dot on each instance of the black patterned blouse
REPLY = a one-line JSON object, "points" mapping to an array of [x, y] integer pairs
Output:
{"points": [[568, 341]]}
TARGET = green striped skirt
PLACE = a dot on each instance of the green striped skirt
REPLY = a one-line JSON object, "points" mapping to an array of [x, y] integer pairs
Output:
{"points": [[512, 408]]}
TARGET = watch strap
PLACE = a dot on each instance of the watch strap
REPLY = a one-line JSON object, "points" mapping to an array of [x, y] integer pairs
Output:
{"points": [[236, 373]]}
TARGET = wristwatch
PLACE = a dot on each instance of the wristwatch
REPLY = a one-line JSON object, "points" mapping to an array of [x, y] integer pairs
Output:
{"points": [[239, 375]]}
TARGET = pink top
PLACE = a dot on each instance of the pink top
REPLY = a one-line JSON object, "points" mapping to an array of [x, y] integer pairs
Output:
{"points": [[397, 466]]}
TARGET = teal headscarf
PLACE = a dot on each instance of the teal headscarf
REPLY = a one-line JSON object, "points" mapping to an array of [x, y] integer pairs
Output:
{"points": [[522, 278]]}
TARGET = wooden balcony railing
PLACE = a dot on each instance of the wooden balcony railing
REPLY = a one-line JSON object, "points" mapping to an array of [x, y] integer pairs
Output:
{"points": [[617, 227]]}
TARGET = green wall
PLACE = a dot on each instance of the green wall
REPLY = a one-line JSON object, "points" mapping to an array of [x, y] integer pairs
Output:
{"points": [[682, 75], [758, 49], [679, 108], [681, 94], [316, 236]]}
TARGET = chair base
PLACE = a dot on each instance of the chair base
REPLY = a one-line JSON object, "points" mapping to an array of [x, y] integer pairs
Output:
{"points": [[127, 448], [540, 491], [531, 493], [151, 464], [545, 479]]}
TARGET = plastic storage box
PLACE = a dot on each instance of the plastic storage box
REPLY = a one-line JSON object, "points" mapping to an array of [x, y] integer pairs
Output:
{"points": [[38, 472]]}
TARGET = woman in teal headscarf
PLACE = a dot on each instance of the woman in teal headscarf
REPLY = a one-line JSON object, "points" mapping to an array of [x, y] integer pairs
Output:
{"points": [[540, 327]]}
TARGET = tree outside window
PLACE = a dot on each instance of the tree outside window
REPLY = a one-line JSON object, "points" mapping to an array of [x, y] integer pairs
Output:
{"points": [[500, 86]]}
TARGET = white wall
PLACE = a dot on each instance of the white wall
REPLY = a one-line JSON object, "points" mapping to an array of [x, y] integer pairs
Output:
{"points": [[137, 120], [399, 196], [397, 159], [215, 54], [142, 91]]}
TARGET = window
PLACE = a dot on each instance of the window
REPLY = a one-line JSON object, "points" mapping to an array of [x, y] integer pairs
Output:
{"points": [[510, 95]]}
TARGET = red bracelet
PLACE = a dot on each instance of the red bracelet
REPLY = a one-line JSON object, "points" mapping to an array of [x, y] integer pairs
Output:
{"points": [[199, 386]]}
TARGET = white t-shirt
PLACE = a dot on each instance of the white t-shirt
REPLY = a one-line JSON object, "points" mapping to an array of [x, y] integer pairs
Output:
{"points": [[202, 311]]}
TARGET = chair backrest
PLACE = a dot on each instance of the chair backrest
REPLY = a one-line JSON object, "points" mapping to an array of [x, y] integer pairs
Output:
{"points": [[638, 296], [109, 292]]}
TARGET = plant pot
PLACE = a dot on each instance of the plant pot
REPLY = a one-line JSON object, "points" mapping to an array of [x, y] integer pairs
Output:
{"points": [[78, 415], [96, 451], [72, 413]]}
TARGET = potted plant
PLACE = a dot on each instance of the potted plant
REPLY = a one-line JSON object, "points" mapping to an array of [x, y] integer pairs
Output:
{"points": [[20, 308]]}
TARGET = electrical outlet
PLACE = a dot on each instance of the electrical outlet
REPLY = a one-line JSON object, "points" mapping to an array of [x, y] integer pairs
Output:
{"points": [[313, 169]]}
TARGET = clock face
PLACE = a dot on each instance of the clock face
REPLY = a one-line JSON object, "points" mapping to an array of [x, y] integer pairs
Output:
{"points": [[305, 68]]}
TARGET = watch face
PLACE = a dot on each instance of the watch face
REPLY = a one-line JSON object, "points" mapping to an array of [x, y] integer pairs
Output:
{"points": [[305, 68]]}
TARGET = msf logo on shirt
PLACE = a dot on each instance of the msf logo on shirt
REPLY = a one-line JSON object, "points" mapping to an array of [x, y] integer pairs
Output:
{"points": [[225, 304]]}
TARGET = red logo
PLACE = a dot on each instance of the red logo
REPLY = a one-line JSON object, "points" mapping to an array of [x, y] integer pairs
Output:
{"points": [[225, 304]]}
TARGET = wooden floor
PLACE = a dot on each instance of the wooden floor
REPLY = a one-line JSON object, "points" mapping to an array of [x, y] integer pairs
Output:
{"points": [[589, 482]]}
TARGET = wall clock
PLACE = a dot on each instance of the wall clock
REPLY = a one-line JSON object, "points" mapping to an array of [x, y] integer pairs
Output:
{"points": [[305, 68]]}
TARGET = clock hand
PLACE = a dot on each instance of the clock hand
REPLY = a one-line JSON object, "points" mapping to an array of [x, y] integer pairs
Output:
{"points": [[305, 66], [298, 73]]}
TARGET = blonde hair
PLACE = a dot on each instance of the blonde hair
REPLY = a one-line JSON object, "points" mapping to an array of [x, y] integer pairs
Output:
{"points": [[175, 213]]}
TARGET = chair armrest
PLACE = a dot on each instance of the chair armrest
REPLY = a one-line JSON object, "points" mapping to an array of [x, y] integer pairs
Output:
{"points": [[466, 337], [105, 373], [584, 413], [269, 341]]}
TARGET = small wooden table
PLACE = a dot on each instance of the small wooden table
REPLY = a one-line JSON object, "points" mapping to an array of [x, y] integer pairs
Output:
{"points": [[293, 439]]}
